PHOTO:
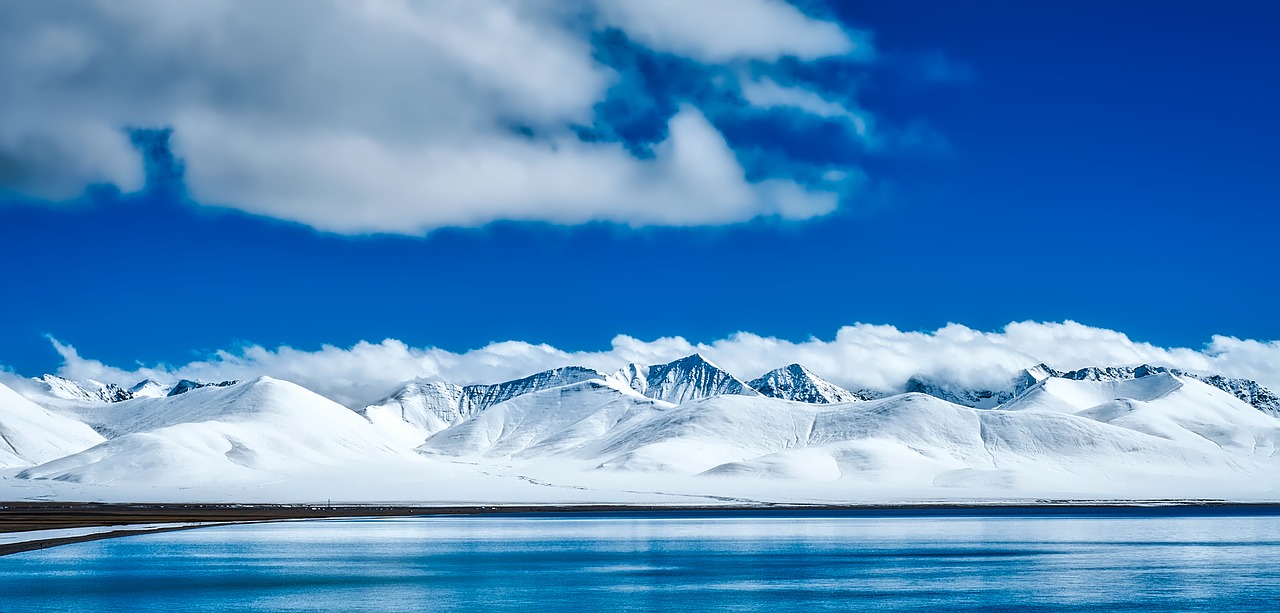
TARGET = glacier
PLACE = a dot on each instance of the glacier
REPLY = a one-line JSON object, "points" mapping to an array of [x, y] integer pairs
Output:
{"points": [[685, 431]]}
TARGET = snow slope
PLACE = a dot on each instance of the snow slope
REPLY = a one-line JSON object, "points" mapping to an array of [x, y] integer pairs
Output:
{"points": [[1168, 406], [485, 396], [30, 435], [67, 389], [567, 420], [422, 408], [249, 432], [908, 439], [418, 410], [1249, 391]]}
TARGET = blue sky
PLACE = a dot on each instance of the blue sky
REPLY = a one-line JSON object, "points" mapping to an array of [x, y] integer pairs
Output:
{"points": [[1106, 164]]}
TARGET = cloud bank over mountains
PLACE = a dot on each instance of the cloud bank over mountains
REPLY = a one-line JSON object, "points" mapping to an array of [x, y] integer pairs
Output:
{"points": [[859, 356], [403, 116]]}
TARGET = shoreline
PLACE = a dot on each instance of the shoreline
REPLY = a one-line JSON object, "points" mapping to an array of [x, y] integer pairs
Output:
{"points": [[19, 517]]}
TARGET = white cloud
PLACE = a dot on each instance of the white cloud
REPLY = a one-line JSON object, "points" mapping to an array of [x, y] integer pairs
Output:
{"points": [[385, 115], [723, 30], [693, 179], [766, 93], [859, 356]]}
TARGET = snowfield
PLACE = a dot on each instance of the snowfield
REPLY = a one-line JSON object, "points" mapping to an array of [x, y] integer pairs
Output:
{"points": [[30, 435], [684, 432], [250, 432]]}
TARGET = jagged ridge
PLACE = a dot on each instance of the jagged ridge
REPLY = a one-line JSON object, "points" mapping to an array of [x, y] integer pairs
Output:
{"points": [[795, 382], [688, 378], [436, 405]]}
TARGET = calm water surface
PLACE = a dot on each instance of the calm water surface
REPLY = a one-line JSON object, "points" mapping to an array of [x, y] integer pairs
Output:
{"points": [[1092, 561]]}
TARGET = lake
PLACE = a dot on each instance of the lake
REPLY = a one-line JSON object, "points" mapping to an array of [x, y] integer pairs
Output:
{"points": [[1191, 559]]}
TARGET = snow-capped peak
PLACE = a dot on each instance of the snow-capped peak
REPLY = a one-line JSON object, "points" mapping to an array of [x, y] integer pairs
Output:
{"points": [[1031, 376], [187, 385], [1113, 373], [1247, 390], [982, 398], [688, 378], [148, 388], [485, 396], [959, 394], [66, 389], [83, 391], [795, 382]]}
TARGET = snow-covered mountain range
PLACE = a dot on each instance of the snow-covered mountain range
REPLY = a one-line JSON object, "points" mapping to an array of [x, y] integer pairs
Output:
{"points": [[1083, 432], [90, 390]]}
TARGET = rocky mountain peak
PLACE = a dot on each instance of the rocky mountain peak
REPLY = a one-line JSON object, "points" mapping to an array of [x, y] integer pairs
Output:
{"points": [[795, 382]]}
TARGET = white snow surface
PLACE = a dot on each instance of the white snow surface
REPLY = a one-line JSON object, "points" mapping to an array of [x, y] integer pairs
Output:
{"points": [[1167, 406], [66, 389], [29, 434], [418, 410], [571, 420], [421, 408], [263, 429], [574, 435], [149, 389]]}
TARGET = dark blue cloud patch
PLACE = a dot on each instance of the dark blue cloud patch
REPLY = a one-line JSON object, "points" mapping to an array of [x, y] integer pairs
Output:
{"points": [[777, 142], [834, 77], [164, 171], [650, 88]]}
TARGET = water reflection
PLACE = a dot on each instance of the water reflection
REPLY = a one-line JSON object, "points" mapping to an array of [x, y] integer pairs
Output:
{"points": [[724, 562]]}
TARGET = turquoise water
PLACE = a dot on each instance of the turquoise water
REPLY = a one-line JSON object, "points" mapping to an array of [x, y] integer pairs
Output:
{"points": [[727, 562]]}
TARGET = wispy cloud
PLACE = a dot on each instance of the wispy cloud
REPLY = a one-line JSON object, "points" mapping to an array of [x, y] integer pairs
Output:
{"points": [[766, 93], [718, 31]]}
